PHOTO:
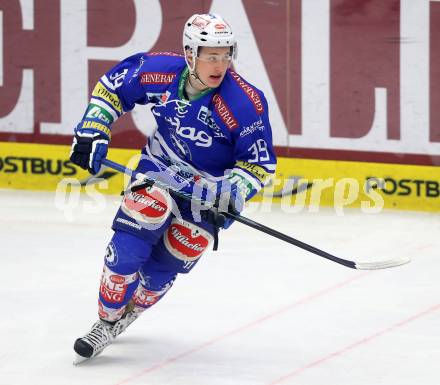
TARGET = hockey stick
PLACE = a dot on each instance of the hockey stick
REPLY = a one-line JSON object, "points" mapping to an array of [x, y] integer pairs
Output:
{"points": [[258, 226]]}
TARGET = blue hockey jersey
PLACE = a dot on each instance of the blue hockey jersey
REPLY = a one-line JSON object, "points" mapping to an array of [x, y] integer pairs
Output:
{"points": [[224, 132]]}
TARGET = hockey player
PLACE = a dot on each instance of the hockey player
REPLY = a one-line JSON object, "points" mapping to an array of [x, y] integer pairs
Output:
{"points": [[212, 131]]}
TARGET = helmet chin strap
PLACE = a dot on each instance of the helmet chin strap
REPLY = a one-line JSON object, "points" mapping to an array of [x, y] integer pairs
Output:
{"points": [[192, 71], [195, 76]]}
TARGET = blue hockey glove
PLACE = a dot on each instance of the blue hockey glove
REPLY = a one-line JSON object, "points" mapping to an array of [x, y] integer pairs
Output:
{"points": [[90, 144]]}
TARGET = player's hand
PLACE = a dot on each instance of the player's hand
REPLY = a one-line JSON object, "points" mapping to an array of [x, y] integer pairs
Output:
{"points": [[228, 199], [90, 145], [223, 196]]}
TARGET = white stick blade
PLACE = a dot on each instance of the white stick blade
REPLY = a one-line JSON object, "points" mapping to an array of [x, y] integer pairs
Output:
{"points": [[382, 265]]}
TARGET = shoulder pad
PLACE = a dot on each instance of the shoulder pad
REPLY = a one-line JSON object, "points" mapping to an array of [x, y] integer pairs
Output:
{"points": [[160, 68], [247, 90]]}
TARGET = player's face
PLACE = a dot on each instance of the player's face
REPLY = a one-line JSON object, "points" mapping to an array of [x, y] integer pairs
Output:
{"points": [[212, 64]]}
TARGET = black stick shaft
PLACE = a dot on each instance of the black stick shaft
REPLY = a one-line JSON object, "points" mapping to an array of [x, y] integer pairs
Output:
{"points": [[291, 240], [260, 227], [243, 220]]}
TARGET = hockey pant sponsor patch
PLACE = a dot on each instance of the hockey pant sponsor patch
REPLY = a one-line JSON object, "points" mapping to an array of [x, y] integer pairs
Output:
{"points": [[186, 241], [144, 298], [109, 314], [113, 286], [149, 205], [111, 255]]}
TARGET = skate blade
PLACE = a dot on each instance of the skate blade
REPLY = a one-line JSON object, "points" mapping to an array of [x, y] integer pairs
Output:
{"points": [[78, 360]]}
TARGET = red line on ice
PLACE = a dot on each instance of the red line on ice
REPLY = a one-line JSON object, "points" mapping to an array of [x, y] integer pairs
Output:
{"points": [[354, 345], [243, 328]]}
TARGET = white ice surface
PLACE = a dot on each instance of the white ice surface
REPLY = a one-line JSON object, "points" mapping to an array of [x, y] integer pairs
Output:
{"points": [[259, 312]]}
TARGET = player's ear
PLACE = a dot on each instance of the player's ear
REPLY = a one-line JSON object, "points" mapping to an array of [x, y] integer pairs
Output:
{"points": [[189, 56]]}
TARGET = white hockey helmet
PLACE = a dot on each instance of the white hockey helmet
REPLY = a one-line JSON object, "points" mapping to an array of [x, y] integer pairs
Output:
{"points": [[207, 30]]}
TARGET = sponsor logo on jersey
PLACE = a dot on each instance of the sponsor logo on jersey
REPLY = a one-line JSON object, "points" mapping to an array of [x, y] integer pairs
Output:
{"points": [[220, 26], [101, 92], [255, 126], [244, 186], [136, 71], [199, 137], [156, 77], [97, 126], [252, 94], [205, 117], [256, 170], [97, 112], [223, 111], [186, 241]]}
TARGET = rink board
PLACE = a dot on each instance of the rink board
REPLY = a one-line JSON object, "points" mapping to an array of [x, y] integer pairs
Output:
{"points": [[300, 184], [371, 186], [43, 166]]}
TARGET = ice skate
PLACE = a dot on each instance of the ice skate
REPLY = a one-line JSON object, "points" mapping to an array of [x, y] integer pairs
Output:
{"points": [[120, 326], [102, 334], [94, 342]]}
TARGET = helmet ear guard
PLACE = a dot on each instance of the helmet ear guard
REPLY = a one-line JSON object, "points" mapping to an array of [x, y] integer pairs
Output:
{"points": [[192, 65], [234, 51]]}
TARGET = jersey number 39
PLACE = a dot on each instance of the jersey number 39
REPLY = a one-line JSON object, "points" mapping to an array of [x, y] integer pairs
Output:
{"points": [[259, 151]]}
